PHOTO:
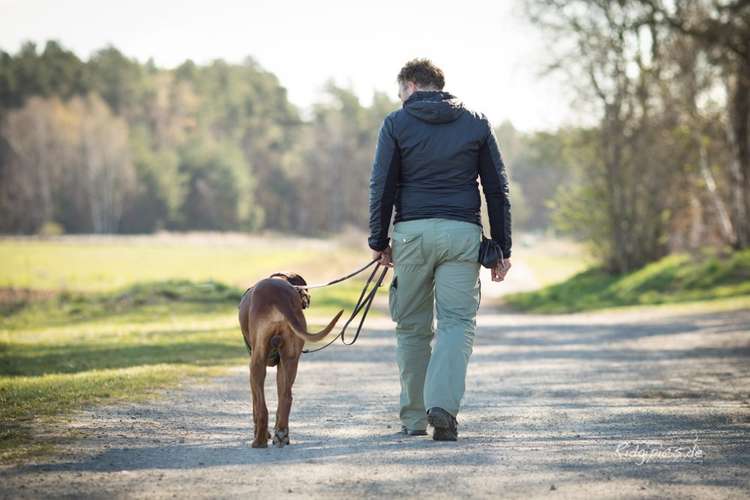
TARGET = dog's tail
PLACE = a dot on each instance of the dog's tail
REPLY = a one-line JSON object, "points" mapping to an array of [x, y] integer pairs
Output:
{"points": [[299, 324]]}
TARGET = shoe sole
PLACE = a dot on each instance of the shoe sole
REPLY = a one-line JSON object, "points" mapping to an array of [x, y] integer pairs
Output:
{"points": [[438, 420], [419, 432], [416, 433], [442, 427]]}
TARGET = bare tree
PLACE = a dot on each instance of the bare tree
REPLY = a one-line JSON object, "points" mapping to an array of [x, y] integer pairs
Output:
{"points": [[62, 159], [722, 28], [35, 144], [628, 182], [105, 160]]}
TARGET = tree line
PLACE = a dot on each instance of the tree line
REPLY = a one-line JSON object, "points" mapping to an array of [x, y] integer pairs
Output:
{"points": [[113, 145]]}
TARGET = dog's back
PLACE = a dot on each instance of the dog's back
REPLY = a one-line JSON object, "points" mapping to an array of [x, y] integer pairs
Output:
{"points": [[261, 305]]}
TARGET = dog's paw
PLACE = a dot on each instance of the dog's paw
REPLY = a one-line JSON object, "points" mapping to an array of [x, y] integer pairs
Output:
{"points": [[260, 444], [281, 438]]}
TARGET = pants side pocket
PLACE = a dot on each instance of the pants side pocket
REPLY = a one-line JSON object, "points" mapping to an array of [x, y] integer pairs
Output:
{"points": [[393, 299]]}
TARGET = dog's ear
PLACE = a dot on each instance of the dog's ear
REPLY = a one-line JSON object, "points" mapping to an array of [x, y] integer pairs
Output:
{"points": [[296, 279]]}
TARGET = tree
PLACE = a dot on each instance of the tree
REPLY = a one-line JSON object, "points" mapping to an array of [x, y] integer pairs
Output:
{"points": [[333, 165], [722, 29], [218, 188], [67, 163], [108, 176], [35, 144], [539, 167], [627, 180]]}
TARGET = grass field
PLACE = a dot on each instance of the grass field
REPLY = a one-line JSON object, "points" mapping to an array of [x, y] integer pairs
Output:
{"points": [[107, 263], [91, 320], [675, 279]]}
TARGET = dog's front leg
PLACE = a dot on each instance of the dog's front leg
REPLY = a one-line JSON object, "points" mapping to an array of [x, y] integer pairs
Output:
{"points": [[260, 411]]}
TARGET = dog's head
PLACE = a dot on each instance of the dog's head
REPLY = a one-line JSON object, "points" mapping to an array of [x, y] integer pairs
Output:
{"points": [[296, 279]]}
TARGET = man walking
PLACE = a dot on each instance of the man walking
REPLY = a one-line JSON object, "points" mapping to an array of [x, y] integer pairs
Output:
{"points": [[428, 157]]}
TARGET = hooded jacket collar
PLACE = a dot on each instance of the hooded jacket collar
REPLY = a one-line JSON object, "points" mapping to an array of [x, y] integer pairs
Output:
{"points": [[434, 106]]}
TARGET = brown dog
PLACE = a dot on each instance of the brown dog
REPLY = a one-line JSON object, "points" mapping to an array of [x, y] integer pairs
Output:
{"points": [[275, 331]]}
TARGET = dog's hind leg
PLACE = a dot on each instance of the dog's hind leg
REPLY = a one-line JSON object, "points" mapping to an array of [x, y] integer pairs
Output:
{"points": [[285, 376], [260, 411]]}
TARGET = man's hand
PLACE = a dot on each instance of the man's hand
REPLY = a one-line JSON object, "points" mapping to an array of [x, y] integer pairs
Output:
{"points": [[383, 256], [500, 270]]}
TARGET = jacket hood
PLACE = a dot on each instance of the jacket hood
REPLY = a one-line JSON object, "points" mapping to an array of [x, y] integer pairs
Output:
{"points": [[434, 106]]}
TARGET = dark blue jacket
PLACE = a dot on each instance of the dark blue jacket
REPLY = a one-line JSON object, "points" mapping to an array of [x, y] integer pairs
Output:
{"points": [[429, 155]]}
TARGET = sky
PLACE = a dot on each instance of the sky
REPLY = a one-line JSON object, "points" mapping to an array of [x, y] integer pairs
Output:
{"points": [[490, 55]]}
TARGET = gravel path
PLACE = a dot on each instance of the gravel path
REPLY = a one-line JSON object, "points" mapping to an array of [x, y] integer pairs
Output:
{"points": [[577, 406]]}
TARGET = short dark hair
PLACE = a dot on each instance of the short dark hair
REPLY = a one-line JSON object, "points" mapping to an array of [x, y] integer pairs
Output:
{"points": [[423, 73]]}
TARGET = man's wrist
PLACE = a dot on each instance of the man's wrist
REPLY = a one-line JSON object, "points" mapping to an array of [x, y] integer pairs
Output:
{"points": [[379, 247]]}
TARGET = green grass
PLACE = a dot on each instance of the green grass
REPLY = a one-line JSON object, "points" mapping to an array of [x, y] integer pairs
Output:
{"points": [[678, 278], [30, 402], [129, 320], [106, 265], [48, 368]]}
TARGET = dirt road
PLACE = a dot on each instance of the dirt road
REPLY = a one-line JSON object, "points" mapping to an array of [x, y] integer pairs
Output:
{"points": [[580, 406]]}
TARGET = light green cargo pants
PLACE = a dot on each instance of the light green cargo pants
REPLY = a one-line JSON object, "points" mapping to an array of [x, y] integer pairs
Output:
{"points": [[435, 267]]}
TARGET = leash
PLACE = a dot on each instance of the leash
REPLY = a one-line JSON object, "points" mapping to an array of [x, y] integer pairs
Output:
{"points": [[339, 280], [364, 302]]}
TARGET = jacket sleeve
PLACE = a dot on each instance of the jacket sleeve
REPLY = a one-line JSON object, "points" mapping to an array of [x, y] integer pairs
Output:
{"points": [[496, 191], [383, 184]]}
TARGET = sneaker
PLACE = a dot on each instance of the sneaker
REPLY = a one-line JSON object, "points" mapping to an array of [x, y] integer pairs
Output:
{"points": [[413, 432], [444, 424]]}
